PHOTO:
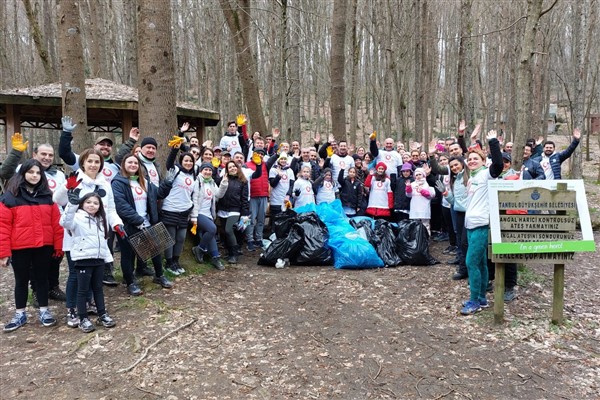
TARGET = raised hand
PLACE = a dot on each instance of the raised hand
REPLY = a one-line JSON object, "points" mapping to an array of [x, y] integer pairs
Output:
{"points": [[317, 138], [134, 133], [185, 127], [67, 124], [373, 135], [73, 196], [241, 120], [476, 132], [72, 181], [576, 133], [439, 185], [171, 175], [462, 126], [491, 135], [17, 142], [276, 132]]}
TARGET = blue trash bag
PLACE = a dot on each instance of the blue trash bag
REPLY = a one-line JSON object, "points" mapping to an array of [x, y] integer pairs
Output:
{"points": [[351, 251]]}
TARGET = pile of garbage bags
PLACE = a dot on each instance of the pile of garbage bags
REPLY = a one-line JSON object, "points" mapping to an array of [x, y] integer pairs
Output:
{"points": [[323, 235]]}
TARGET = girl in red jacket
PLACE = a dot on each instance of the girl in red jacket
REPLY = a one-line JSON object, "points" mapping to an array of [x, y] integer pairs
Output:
{"points": [[381, 197], [29, 232]]}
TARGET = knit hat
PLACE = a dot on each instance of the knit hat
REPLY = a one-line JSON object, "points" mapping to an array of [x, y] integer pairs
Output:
{"points": [[149, 140], [406, 167], [420, 171], [381, 164], [206, 165], [282, 155]]}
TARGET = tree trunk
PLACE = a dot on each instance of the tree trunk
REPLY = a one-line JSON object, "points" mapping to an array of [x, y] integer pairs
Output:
{"points": [[156, 87], [72, 71], [464, 81], [337, 64], [294, 78], [237, 15], [38, 40], [352, 137]]}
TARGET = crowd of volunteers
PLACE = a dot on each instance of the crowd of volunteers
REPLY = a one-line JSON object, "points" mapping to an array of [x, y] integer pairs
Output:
{"points": [[222, 195]]}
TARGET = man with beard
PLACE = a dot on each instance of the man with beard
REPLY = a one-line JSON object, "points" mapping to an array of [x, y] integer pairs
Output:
{"points": [[551, 161], [339, 160]]}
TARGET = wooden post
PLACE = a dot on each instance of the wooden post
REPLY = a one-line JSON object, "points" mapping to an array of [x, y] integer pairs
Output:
{"points": [[499, 294], [126, 124], [558, 294]]}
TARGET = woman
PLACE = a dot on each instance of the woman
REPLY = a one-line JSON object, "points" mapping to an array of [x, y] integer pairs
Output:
{"points": [[176, 207], [29, 232], [203, 217], [477, 221], [91, 163], [233, 206], [137, 205]]}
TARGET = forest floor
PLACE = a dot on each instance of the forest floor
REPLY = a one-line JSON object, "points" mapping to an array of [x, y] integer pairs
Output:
{"points": [[253, 332]]}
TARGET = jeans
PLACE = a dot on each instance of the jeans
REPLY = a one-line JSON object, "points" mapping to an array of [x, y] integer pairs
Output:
{"points": [[31, 264], [207, 231], [477, 261], [258, 210], [178, 235], [458, 220], [71, 289], [90, 278], [510, 274], [449, 225]]}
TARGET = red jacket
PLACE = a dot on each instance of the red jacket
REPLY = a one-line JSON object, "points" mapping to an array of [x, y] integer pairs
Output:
{"points": [[29, 222], [259, 187]]}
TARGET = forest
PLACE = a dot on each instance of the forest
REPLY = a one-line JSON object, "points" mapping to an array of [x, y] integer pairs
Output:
{"points": [[408, 69]]}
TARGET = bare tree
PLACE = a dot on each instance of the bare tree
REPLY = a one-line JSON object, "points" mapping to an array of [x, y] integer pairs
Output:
{"points": [[338, 57], [72, 70], [38, 39]]}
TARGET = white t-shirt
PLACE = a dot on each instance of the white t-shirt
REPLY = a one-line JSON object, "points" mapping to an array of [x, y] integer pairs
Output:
{"points": [[140, 199], [392, 160], [326, 192], [180, 196], [478, 206], [279, 192], [340, 163], [307, 196]]}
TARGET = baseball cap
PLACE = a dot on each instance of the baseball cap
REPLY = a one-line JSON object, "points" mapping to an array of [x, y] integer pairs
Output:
{"points": [[102, 139]]}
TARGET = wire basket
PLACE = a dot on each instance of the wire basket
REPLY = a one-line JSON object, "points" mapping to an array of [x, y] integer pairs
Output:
{"points": [[150, 242]]}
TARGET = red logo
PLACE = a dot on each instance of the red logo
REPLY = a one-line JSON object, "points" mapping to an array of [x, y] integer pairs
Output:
{"points": [[107, 172], [284, 178], [234, 143], [138, 190], [342, 165], [152, 173], [379, 185], [209, 192], [327, 185], [388, 157], [51, 183], [308, 188], [188, 181]]}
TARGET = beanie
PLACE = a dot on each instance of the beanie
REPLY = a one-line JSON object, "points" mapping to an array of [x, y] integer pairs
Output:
{"points": [[149, 140], [381, 164], [406, 167], [420, 171], [206, 165]]}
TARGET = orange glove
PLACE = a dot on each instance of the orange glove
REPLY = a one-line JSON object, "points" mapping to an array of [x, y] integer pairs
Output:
{"points": [[194, 229], [17, 142], [373, 136]]}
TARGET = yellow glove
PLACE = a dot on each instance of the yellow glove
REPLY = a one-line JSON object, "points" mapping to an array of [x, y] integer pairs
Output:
{"points": [[194, 228], [288, 204], [329, 151], [17, 142], [215, 162], [373, 135], [241, 120], [256, 158], [176, 141]]}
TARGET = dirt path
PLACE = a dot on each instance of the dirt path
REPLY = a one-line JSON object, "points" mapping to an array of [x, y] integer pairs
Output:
{"points": [[316, 332]]}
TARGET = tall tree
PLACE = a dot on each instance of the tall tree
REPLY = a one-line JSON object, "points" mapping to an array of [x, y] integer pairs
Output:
{"points": [[72, 70], [237, 15], [156, 86], [337, 101], [38, 40], [464, 82]]}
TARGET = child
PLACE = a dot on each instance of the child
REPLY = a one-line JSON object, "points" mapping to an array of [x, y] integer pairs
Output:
{"points": [[381, 197], [325, 187], [420, 193], [401, 200], [31, 234], [351, 192], [85, 220], [303, 190], [281, 179]]}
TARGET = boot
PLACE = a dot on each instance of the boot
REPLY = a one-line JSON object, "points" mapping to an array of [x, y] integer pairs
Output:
{"points": [[232, 255], [461, 273], [108, 278], [216, 262]]}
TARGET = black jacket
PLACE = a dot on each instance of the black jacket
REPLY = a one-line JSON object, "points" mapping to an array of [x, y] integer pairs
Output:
{"points": [[351, 194], [235, 198], [125, 204]]}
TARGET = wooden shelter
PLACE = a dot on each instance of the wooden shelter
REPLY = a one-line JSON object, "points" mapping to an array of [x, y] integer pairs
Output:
{"points": [[111, 108]]}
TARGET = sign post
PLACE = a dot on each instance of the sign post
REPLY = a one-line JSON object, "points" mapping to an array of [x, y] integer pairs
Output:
{"points": [[536, 222]]}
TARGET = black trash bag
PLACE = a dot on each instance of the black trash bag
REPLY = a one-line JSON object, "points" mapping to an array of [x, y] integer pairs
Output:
{"points": [[365, 224], [412, 243], [282, 223], [287, 247], [313, 246], [386, 249]]}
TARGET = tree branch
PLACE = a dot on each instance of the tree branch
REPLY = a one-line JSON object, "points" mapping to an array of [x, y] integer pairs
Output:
{"points": [[548, 9]]}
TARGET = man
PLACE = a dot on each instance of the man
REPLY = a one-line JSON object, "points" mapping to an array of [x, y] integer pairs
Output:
{"points": [[305, 160], [508, 147], [232, 139], [531, 169], [147, 154], [551, 160], [295, 149], [339, 160], [388, 155]]}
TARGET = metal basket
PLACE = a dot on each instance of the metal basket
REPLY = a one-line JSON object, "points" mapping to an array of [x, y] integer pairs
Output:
{"points": [[150, 242]]}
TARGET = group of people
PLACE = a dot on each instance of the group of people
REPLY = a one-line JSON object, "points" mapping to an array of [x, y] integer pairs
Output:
{"points": [[234, 185]]}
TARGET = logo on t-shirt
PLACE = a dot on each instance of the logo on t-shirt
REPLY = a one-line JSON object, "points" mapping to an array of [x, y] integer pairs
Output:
{"points": [[107, 172], [379, 185], [138, 190], [327, 185], [152, 173], [51, 184], [208, 193], [388, 157], [342, 165], [188, 181], [234, 143], [308, 189], [284, 177]]}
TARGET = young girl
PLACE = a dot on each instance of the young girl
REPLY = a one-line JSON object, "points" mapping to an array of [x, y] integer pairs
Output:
{"points": [[401, 200], [381, 197], [477, 221], [303, 189], [203, 217], [281, 180], [177, 206], [29, 232], [233, 205], [351, 192], [420, 193], [85, 220], [325, 187]]}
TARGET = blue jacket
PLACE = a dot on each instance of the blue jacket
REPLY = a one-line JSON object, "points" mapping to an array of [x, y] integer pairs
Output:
{"points": [[557, 159], [532, 170]]}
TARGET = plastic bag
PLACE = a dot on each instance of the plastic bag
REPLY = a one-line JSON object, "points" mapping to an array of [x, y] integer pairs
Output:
{"points": [[286, 247], [386, 249], [353, 252], [314, 234], [282, 223], [412, 243]]}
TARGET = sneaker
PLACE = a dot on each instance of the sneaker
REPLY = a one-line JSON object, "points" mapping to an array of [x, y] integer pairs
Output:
{"points": [[134, 290], [217, 263], [16, 322], [34, 300], [178, 267], [442, 237], [145, 271], [108, 278], [459, 276], [56, 293], [198, 254], [46, 318], [72, 318], [171, 269], [510, 295], [163, 281], [450, 250], [232, 260], [483, 303], [470, 307], [456, 261], [251, 246], [238, 251], [86, 325], [91, 308], [259, 245], [106, 321]]}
